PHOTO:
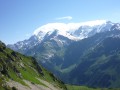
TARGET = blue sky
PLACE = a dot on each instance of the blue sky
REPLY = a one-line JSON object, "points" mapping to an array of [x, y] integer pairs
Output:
{"points": [[19, 18]]}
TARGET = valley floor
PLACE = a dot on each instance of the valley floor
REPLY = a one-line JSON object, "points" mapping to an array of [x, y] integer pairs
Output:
{"points": [[73, 87]]}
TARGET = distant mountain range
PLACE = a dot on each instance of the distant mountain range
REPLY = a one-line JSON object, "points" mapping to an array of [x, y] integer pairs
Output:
{"points": [[71, 31], [78, 53]]}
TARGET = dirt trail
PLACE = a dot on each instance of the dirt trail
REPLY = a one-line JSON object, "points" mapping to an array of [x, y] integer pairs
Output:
{"points": [[51, 86], [32, 86]]}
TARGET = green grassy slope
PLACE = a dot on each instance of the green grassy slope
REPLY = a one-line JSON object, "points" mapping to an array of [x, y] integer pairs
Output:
{"points": [[18, 67]]}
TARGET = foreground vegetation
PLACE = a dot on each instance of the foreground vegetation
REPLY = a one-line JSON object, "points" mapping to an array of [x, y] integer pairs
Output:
{"points": [[17, 67]]}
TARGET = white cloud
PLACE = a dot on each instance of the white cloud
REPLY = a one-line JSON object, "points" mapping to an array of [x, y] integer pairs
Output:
{"points": [[66, 17]]}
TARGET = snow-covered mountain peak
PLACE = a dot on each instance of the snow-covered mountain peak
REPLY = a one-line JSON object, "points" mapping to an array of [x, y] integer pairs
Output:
{"points": [[67, 30], [63, 27], [117, 26]]}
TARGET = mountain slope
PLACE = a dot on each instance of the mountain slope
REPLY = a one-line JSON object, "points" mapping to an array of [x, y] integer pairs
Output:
{"points": [[79, 48], [19, 71], [100, 66]]}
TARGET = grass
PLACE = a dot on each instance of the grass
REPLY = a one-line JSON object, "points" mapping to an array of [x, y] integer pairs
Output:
{"points": [[73, 87], [30, 75], [16, 78]]}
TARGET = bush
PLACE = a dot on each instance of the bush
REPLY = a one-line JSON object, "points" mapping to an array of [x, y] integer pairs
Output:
{"points": [[14, 88]]}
